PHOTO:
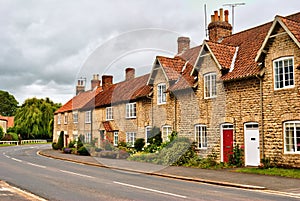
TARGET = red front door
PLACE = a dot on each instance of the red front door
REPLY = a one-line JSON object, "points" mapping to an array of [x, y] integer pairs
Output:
{"points": [[227, 144]]}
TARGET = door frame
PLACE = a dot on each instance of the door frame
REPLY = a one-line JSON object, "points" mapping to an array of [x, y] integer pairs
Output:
{"points": [[221, 134], [245, 143]]}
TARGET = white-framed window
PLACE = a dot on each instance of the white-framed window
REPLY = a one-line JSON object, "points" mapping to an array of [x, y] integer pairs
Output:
{"points": [[284, 73], [131, 110], [166, 132], [116, 138], [147, 133], [161, 93], [59, 118], [201, 136], [75, 117], [88, 117], [292, 137], [130, 138], [109, 113], [66, 118], [210, 85], [87, 138]]}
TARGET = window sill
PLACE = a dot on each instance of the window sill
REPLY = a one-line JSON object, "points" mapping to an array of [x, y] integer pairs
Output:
{"points": [[162, 103], [199, 149], [291, 153], [130, 117], [207, 98]]}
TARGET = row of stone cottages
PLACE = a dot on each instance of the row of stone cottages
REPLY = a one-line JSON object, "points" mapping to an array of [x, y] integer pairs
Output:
{"points": [[238, 88]]}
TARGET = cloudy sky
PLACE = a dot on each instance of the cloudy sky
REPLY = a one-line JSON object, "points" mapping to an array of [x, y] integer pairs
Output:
{"points": [[46, 45]]}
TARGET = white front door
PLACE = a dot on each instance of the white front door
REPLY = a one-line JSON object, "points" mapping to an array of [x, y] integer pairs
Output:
{"points": [[252, 152]]}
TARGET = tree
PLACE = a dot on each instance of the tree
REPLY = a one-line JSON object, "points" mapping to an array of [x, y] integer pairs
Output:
{"points": [[34, 119], [8, 104]]}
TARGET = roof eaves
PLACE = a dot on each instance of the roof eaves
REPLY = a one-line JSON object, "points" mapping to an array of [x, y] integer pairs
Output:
{"points": [[276, 20]]}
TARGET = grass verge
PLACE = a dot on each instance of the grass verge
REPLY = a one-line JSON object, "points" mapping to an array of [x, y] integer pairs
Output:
{"points": [[293, 173]]}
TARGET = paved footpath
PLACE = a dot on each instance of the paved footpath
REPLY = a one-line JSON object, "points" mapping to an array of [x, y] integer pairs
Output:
{"points": [[11, 193], [223, 177]]}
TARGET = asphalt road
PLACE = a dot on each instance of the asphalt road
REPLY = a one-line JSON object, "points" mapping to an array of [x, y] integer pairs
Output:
{"points": [[61, 180]]}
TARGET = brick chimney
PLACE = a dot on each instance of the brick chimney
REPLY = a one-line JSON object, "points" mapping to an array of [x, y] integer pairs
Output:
{"points": [[129, 73], [95, 82], [107, 80], [219, 27], [80, 86], [183, 44]]}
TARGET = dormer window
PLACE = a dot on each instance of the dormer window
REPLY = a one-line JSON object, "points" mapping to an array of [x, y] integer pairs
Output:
{"points": [[210, 86], [284, 73], [161, 94]]}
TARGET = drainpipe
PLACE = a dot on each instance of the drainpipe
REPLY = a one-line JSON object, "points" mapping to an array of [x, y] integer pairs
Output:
{"points": [[91, 125], [262, 115], [175, 114]]}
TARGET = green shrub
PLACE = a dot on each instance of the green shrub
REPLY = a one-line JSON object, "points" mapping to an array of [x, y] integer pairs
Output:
{"points": [[123, 154], [1, 132], [10, 137], [108, 154], [72, 144], [60, 142], [236, 158], [177, 152], [98, 149], [79, 141], [83, 151], [67, 150], [54, 146], [106, 145], [139, 144], [14, 136]]}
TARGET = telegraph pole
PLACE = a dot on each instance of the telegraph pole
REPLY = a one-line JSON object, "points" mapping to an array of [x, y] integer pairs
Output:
{"points": [[233, 5]]}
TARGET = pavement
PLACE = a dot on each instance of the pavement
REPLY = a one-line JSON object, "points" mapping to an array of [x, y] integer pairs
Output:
{"points": [[223, 177], [11, 193]]}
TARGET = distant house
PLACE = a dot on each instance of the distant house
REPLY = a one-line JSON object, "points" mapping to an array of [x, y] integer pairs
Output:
{"points": [[237, 89], [6, 122]]}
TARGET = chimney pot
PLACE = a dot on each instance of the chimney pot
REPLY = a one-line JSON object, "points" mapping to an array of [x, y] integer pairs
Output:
{"points": [[226, 15], [221, 15], [80, 86], [212, 18], [107, 80], [218, 28], [216, 16], [129, 73], [183, 44], [95, 82]]}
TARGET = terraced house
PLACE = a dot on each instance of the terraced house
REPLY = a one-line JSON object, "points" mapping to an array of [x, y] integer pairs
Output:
{"points": [[233, 89]]}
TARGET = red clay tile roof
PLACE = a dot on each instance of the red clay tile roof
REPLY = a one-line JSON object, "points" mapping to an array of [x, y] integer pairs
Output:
{"points": [[293, 26], [107, 126], [10, 121], [185, 81], [249, 43], [223, 53], [171, 66], [120, 92], [79, 101], [190, 55]]}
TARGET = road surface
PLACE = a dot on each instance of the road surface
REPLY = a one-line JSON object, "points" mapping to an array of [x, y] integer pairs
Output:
{"points": [[52, 179]]}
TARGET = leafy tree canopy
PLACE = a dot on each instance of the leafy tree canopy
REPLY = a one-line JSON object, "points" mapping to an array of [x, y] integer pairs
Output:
{"points": [[34, 119], [8, 104]]}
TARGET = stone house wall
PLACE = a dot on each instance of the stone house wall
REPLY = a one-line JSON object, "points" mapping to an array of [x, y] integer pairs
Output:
{"points": [[280, 105]]}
